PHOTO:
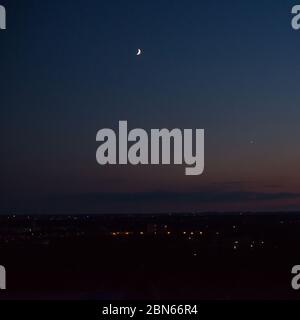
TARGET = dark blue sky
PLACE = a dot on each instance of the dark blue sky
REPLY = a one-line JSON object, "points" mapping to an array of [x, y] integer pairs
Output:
{"points": [[69, 68]]}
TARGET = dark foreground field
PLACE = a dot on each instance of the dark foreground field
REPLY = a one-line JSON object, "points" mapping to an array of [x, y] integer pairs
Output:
{"points": [[150, 256]]}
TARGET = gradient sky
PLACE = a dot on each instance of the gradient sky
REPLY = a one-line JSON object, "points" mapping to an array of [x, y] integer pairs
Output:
{"points": [[69, 68]]}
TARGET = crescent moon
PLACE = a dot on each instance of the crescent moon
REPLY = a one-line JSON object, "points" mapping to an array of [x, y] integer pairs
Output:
{"points": [[139, 52]]}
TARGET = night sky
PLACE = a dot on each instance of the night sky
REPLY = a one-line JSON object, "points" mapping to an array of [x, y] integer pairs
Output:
{"points": [[69, 68]]}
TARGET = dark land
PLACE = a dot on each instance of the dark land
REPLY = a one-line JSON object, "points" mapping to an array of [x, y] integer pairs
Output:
{"points": [[175, 256]]}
